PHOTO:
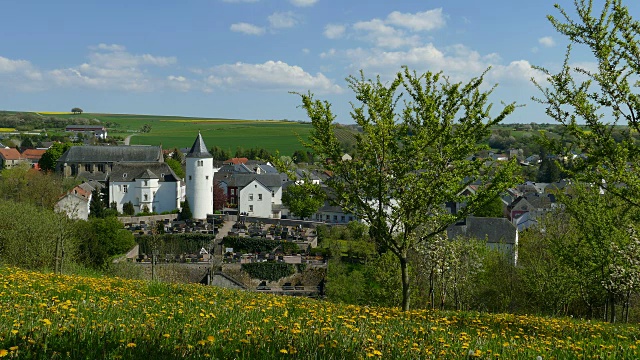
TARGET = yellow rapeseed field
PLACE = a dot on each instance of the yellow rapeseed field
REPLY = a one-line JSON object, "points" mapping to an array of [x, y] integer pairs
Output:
{"points": [[45, 316]]}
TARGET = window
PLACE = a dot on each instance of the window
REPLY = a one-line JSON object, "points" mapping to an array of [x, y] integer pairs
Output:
{"points": [[200, 162], [146, 197], [233, 191], [87, 167], [207, 177], [250, 208], [327, 217], [250, 197], [101, 167], [259, 197], [189, 177], [146, 182], [124, 176], [125, 188], [342, 218], [335, 217]]}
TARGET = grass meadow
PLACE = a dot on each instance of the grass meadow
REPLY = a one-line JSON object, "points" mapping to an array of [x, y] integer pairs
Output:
{"points": [[46, 316], [180, 132]]}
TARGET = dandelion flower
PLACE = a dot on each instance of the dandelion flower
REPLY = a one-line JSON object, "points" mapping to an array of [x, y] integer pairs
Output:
{"points": [[3, 353]]}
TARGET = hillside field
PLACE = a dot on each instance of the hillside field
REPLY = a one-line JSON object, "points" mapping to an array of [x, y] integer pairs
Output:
{"points": [[180, 132], [46, 316]]}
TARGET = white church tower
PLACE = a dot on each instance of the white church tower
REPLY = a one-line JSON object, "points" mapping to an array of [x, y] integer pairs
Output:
{"points": [[200, 179]]}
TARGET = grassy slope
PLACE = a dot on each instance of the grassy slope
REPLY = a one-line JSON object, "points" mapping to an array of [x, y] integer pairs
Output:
{"points": [[43, 316], [174, 131]]}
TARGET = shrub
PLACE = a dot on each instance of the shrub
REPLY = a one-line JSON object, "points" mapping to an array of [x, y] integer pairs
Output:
{"points": [[270, 271]]}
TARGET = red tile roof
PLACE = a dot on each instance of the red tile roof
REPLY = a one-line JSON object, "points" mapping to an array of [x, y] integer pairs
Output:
{"points": [[10, 154], [237, 161], [33, 154]]}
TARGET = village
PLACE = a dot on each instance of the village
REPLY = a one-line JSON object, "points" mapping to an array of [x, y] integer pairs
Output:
{"points": [[138, 178]]}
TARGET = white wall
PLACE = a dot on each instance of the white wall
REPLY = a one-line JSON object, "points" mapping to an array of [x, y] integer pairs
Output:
{"points": [[250, 195], [162, 196], [74, 206], [199, 184]]}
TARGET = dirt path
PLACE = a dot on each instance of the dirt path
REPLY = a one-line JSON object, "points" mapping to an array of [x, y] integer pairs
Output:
{"points": [[127, 139]]}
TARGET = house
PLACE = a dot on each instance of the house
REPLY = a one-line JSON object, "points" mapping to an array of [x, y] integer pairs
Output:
{"points": [[32, 156], [96, 162], [499, 233], [518, 207], [75, 203], [151, 186], [236, 161], [99, 131], [9, 157], [256, 195]]}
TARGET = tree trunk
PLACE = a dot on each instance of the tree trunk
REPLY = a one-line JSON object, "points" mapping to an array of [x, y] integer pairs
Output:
{"points": [[612, 300], [404, 267], [431, 288]]}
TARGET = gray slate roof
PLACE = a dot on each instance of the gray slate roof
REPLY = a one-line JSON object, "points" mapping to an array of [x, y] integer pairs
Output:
{"points": [[151, 170], [199, 149], [111, 154], [494, 230], [242, 180]]}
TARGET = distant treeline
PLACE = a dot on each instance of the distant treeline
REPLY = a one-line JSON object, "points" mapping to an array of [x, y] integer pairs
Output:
{"points": [[31, 121]]}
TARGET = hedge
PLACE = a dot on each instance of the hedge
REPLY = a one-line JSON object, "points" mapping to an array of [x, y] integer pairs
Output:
{"points": [[183, 243], [270, 271], [258, 245]]}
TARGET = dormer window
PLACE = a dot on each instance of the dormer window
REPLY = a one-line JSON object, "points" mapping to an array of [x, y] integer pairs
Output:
{"points": [[124, 176]]}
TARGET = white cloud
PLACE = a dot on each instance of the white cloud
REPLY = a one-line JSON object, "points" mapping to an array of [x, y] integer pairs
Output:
{"points": [[119, 58], [326, 54], [179, 83], [280, 20], [382, 35], [108, 47], [10, 66], [303, 3], [247, 28], [271, 75], [459, 62], [547, 41], [306, 51], [420, 21], [334, 31]]}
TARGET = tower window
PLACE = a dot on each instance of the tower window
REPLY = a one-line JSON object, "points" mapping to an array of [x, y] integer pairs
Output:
{"points": [[125, 188]]}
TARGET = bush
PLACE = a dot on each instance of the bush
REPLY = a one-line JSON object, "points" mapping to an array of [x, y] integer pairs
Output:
{"points": [[259, 245], [270, 271]]}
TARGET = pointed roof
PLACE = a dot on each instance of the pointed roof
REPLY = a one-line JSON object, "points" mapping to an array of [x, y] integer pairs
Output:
{"points": [[199, 149], [147, 174]]}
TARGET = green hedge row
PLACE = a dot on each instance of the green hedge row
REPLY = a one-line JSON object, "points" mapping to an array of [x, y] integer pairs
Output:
{"points": [[271, 271], [176, 243], [258, 245]]}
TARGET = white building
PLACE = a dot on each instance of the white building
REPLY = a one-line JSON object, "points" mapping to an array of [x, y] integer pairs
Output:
{"points": [[148, 186], [199, 181], [75, 203]]}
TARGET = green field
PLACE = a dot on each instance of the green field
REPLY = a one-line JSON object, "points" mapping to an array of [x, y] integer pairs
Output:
{"points": [[229, 134], [46, 316]]}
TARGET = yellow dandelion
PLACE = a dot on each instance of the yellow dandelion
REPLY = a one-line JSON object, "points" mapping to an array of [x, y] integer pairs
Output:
{"points": [[284, 351], [13, 348], [46, 322], [166, 336], [211, 338], [3, 353], [131, 345], [14, 331]]}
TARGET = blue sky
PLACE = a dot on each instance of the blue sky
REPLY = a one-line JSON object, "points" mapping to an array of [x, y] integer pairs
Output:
{"points": [[241, 58]]}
